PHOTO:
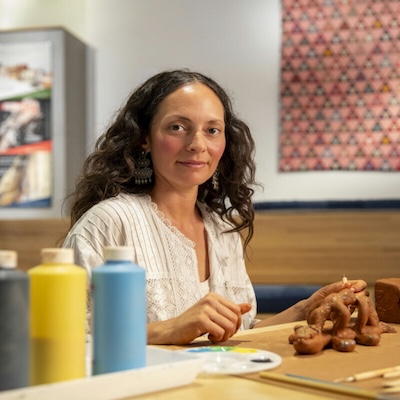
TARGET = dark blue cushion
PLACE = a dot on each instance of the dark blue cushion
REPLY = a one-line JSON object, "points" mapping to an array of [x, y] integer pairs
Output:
{"points": [[276, 298]]}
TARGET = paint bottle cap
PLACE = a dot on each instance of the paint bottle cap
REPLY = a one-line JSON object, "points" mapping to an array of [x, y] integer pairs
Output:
{"points": [[56, 255], [8, 259], [121, 253]]}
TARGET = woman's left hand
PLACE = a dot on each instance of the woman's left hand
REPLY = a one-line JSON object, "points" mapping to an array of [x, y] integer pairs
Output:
{"points": [[356, 285]]}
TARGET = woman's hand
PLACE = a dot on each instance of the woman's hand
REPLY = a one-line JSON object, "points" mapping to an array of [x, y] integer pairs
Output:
{"points": [[301, 309], [212, 314], [319, 295]]}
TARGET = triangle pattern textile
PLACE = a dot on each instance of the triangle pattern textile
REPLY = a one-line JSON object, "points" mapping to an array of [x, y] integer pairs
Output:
{"points": [[340, 85]]}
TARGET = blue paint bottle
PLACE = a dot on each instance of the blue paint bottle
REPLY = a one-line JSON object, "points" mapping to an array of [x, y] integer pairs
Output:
{"points": [[14, 323], [118, 313]]}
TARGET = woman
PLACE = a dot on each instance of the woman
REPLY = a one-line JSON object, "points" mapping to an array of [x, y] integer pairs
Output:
{"points": [[172, 177]]}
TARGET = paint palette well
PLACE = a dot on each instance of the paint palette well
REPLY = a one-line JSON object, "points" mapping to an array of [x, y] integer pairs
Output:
{"points": [[235, 360]]}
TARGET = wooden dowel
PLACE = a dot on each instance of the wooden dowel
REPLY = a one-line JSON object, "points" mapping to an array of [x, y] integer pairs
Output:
{"points": [[393, 374], [320, 385], [391, 383], [361, 376], [391, 390]]}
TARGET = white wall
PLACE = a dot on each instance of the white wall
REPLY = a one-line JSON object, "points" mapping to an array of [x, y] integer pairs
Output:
{"points": [[237, 42]]}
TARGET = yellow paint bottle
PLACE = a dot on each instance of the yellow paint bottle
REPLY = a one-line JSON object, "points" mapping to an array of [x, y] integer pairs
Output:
{"points": [[57, 318]]}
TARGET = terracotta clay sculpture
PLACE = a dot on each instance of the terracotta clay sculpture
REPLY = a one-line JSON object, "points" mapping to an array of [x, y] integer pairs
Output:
{"points": [[343, 334]]}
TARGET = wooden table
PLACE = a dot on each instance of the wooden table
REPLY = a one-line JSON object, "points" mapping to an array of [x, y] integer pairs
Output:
{"points": [[328, 366]]}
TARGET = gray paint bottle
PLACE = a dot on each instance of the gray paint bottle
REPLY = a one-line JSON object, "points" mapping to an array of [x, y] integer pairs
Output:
{"points": [[14, 323]]}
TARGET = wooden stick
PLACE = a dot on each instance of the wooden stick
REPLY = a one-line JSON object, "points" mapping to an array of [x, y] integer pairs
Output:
{"points": [[394, 389], [361, 376], [393, 374], [321, 385], [391, 383]]}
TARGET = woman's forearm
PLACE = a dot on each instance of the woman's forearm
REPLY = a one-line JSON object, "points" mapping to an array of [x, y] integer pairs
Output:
{"points": [[291, 314], [160, 332]]}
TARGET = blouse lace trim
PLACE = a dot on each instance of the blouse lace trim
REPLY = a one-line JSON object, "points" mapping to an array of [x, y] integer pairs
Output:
{"points": [[168, 222]]}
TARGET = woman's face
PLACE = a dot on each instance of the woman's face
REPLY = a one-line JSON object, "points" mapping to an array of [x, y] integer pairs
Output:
{"points": [[187, 137]]}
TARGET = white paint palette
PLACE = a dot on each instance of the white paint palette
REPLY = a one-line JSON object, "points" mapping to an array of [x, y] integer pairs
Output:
{"points": [[235, 360]]}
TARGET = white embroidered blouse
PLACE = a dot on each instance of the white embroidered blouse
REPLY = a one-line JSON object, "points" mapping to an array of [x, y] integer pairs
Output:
{"points": [[168, 257]]}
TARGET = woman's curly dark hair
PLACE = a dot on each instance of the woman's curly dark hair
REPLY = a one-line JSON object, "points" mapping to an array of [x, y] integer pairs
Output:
{"points": [[109, 170]]}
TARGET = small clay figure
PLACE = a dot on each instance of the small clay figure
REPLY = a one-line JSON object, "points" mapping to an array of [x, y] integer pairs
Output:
{"points": [[368, 331], [308, 339], [344, 334]]}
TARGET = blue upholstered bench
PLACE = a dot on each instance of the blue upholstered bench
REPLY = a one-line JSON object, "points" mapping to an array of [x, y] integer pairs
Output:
{"points": [[276, 298]]}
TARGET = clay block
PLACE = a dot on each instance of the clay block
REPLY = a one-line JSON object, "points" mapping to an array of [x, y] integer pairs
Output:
{"points": [[387, 299]]}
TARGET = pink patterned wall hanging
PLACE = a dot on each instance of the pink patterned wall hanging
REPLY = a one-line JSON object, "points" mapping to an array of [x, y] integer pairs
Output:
{"points": [[340, 85]]}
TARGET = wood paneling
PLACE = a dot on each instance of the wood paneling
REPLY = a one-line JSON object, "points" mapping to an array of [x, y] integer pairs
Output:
{"points": [[287, 247], [319, 247], [28, 237]]}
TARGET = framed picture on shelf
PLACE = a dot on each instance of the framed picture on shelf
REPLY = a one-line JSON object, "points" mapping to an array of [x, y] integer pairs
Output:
{"points": [[42, 120], [25, 125]]}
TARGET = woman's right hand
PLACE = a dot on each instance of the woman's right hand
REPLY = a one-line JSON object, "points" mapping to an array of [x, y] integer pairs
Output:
{"points": [[213, 314]]}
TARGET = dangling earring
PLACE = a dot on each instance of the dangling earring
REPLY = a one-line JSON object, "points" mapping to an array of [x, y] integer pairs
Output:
{"points": [[215, 181], [142, 171]]}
